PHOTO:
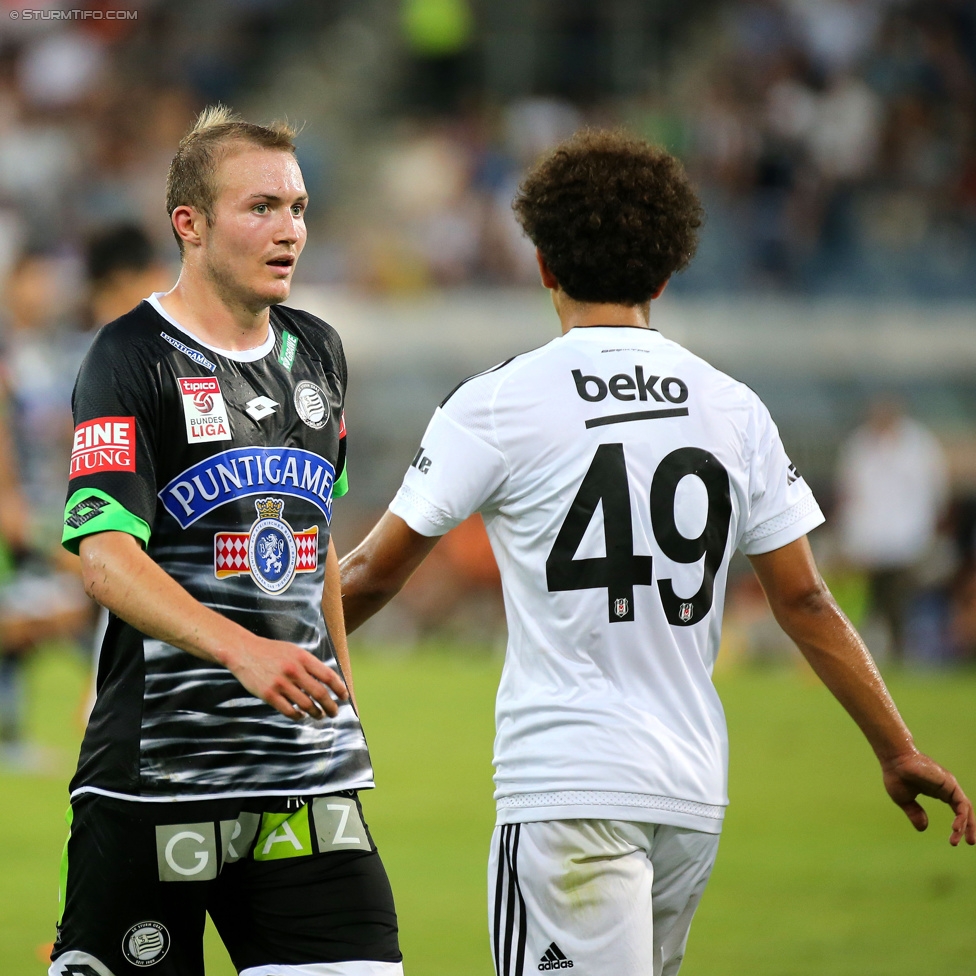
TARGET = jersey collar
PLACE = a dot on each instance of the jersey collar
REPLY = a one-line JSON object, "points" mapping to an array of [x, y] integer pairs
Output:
{"points": [[581, 330], [240, 356]]}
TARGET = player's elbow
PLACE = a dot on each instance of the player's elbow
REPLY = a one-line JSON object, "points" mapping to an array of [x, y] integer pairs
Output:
{"points": [[93, 575], [361, 582], [804, 605], [94, 553]]}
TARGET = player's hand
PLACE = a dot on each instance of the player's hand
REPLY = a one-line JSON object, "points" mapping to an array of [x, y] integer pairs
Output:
{"points": [[288, 678], [916, 774]]}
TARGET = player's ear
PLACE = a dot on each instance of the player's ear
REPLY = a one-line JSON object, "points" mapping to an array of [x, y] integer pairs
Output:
{"points": [[548, 278], [660, 291], [189, 224]]}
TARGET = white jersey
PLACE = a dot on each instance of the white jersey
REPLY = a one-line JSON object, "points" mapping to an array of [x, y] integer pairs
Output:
{"points": [[616, 473]]}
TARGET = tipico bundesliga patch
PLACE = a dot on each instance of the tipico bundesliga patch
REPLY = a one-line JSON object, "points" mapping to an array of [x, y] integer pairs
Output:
{"points": [[204, 409]]}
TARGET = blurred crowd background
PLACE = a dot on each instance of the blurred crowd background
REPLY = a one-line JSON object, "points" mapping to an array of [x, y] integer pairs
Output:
{"points": [[834, 146]]}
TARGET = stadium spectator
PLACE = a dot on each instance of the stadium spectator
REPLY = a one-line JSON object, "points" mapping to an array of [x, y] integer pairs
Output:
{"points": [[40, 597], [122, 269], [892, 486], [835, 137], [13, 525]]}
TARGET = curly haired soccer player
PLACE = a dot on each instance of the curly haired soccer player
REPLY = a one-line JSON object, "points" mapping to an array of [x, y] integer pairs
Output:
{"points": [[220, 768], [616, 474]]}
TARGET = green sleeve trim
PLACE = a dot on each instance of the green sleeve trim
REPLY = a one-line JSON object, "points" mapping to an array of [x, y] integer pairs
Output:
{"points": [[89, 510], [341, 485]]}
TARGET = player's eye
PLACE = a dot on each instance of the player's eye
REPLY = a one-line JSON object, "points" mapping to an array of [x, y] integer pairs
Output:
{"points": [[298, 209], [261, 208]]}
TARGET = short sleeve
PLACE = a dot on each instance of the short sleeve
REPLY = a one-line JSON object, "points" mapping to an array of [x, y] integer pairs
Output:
{"points": [[781, 506], [454, 474], [341, 485], [112, 475]]}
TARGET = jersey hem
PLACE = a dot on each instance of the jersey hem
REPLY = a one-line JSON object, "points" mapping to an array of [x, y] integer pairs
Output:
{"points": [[599, 811], [421, 515], [236, 795]]}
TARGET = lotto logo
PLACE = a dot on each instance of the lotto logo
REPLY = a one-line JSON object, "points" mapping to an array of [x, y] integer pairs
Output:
{"points": [[105, 444]]}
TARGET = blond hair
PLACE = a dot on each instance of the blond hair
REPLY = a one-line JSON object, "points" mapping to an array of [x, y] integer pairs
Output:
{"points": [[192, 178]]}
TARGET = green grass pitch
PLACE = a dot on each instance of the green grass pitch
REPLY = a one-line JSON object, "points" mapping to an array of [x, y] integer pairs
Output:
{"points": [[818, 872]]}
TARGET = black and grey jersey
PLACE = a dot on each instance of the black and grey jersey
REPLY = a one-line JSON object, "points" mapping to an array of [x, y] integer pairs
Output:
{"points": [[224, 465]]}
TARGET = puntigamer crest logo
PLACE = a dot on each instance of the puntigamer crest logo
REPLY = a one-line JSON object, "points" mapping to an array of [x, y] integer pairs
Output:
{"points": [[271, 552]]}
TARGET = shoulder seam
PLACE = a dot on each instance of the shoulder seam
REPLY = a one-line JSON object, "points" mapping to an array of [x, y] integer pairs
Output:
{"points": [[474, 376], [492, 369]]}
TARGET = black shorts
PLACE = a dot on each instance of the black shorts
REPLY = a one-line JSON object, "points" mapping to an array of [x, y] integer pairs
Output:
{"points": [[286, 881]]}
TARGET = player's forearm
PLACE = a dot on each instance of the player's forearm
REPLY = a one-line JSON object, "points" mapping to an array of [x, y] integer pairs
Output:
{"points": [[840, 659], [376, 570], [333, 612], [361, 598], [121, 577], [806, 610]]}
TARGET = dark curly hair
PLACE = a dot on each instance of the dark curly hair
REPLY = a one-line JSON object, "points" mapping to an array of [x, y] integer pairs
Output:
{"points": [[613, 216]]}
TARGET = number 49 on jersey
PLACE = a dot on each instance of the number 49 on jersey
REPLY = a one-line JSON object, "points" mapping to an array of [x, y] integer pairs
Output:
{"points": [[620, 570]]}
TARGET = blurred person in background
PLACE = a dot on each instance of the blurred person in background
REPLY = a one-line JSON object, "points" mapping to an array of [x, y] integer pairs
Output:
{"points": [[14, 753], [122, 269], [41, 597], [893, 487]]}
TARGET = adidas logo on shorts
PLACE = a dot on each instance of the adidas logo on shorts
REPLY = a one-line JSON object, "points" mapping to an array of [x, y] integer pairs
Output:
{"points": [[555, 959]]}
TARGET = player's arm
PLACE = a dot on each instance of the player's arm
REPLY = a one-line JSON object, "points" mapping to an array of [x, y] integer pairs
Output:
{"points": [[806, 610], [375, 571], [119, 575], [453, 475], [332, 611]]}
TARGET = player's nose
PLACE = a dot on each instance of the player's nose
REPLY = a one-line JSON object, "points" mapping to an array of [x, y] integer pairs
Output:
{"points": [[289, 230]]}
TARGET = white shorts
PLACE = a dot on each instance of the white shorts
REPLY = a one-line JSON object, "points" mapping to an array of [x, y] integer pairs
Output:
{"points": [[600, 897]]}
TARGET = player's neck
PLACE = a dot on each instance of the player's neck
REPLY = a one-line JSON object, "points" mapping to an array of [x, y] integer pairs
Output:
{"points": [[581, 315], [199, 307]]}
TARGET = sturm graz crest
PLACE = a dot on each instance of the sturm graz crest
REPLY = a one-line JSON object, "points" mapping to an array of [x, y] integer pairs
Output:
{"points": [[271, 551], [145, 944]]}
